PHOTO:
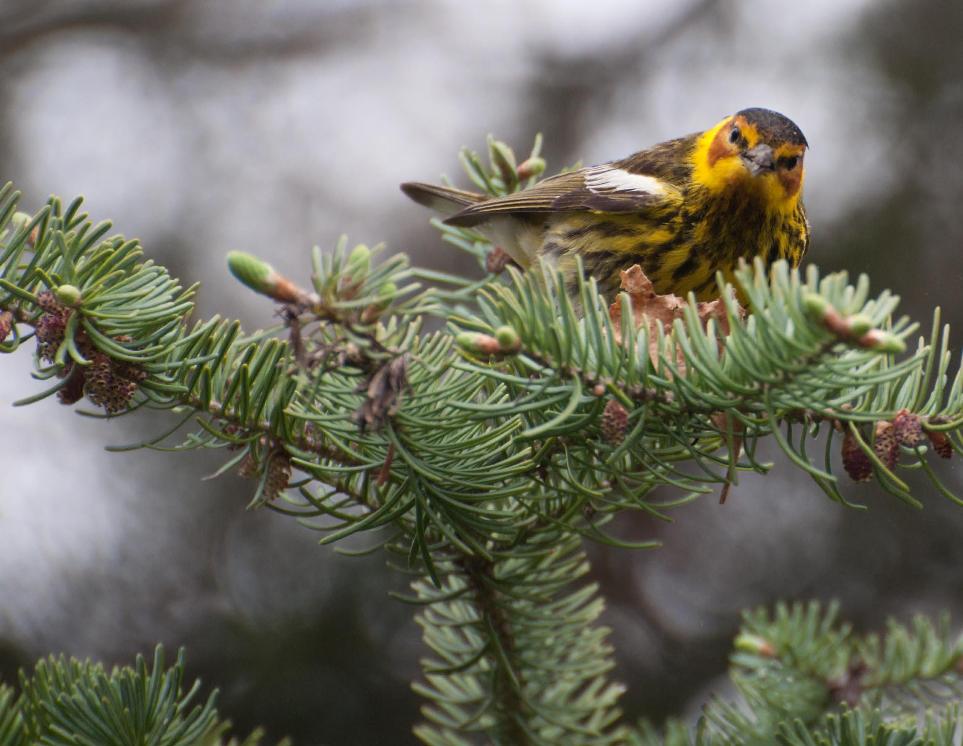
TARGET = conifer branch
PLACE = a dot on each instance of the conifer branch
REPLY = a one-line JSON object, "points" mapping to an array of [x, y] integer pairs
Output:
{"points": [[492, 448], [79, 702], [805, 677]]}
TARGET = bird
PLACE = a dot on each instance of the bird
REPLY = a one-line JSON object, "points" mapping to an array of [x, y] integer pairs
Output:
{"points": [[683, 209]]}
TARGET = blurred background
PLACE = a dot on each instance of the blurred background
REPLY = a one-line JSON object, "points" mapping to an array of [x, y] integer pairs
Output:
{"points": [[271, 126]]}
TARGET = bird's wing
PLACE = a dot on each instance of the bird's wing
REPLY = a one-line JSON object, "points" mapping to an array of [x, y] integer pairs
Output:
{"points": [[605, 188]]}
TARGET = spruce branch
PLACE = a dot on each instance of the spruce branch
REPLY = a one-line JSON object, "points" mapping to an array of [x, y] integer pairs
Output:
{"points": [[518, 657], [805, 678], [489, 449], [79, 702]]}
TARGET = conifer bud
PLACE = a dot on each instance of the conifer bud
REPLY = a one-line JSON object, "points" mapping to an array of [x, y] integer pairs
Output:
{"points": [[278, 476], [859, 324], [359, 262], [73, 390], [48, 302], [940, 442], [497, 260], [816, 304], [69, 295], [856, 329], [908, 428], [261, 277], [385, 294], [21, 220], [503, 159], [750, 643], [615, 421], [478, 343], [111, 384], [247, 469], [877, 339], [855, 461], [50, 329], [508, 339], [6, 324], [355, 272], [885, 444], [530, 167]]}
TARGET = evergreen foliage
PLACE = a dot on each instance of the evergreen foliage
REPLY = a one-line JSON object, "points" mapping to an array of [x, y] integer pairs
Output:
{"points": [[487, 452], [78, 703]]}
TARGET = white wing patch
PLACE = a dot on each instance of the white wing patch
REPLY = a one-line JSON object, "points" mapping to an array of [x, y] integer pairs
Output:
{"points": [[605, 180]]}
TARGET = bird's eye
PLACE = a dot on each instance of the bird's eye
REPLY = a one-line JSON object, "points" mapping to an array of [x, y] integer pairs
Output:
{"points": [[790, 163], [734, 135]]}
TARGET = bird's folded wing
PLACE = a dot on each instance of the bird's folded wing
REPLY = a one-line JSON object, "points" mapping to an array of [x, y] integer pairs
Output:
{"points": [[604, 188]]}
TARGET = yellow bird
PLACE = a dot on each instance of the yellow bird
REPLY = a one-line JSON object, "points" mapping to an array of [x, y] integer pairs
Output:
{"points": [[682, 209]]}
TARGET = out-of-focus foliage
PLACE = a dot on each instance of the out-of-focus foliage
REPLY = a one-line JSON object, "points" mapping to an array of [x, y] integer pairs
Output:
{"points": [[78, 703]]}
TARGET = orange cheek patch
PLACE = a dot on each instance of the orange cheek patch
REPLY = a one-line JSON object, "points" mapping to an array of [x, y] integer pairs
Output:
{"points": [[719, 148], [791, 181]]}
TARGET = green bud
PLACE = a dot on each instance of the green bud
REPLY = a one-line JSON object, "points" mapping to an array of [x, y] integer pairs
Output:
{"points": [[749, 643], [261, 277], [530, 167], [508, 339], [385, 295], [20, 220], [359, 262], [69, 295], [503, 161], [482, 344], [387, 290], [881, 341], [251, 271], [816, 304], [859, 324]]}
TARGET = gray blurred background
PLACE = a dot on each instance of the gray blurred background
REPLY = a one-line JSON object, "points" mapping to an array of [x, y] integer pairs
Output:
{"points": [[270, 126]]}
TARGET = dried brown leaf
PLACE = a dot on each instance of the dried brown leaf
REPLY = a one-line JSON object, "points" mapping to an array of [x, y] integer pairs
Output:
{"points": [[657, 311]]}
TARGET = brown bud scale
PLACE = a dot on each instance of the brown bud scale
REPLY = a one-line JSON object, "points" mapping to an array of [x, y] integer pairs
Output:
{"points": [[941, 443], [885, 444], [908, 428], [615, 421], [497, 260], [6, 324]]}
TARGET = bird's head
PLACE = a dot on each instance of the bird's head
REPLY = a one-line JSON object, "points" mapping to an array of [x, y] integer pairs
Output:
{"points": [[755, 149]]}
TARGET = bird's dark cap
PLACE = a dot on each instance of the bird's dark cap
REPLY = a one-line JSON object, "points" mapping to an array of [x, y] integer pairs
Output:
{"points": [[774, 126]]}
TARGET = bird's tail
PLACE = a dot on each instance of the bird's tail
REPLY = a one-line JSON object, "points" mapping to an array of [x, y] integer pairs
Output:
{"points": [[443, 200]]}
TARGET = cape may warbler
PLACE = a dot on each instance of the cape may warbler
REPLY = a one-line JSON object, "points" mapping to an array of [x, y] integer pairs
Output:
{"points": [[682, 209]]}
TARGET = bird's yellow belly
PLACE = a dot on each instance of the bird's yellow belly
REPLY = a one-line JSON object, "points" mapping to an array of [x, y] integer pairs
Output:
{"points": [[678, 254]]}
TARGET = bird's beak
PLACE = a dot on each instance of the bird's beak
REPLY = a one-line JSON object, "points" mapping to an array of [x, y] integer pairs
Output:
{"points": [[759, 160]]}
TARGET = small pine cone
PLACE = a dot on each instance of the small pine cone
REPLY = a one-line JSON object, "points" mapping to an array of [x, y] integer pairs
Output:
{"points": [[278, 476], [49, 303], [98, 372], [123, 391], [73, 390], [855, 461], [908, 428], [248, 466], [104, 387], [885, 444], [615, 421], [50, 334], [940, 442], [6, 324], [130, 371]]}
